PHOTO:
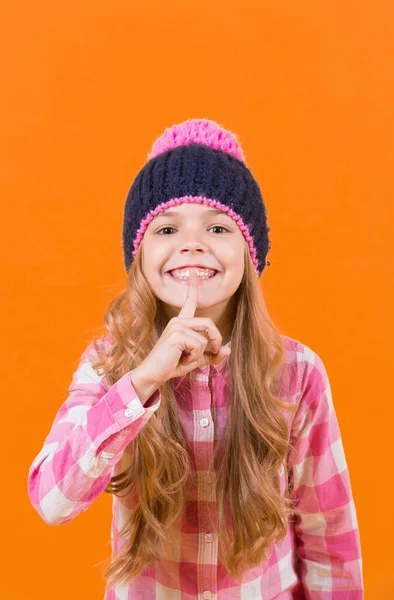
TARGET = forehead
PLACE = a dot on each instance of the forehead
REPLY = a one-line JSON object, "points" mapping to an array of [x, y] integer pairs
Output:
{"points": [[190, 209]]}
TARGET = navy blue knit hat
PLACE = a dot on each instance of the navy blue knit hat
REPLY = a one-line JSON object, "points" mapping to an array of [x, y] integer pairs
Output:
{"points": [[201, 162]]}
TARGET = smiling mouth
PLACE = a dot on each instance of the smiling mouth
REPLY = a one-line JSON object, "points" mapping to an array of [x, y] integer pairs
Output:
{"points": [[200, 280]]}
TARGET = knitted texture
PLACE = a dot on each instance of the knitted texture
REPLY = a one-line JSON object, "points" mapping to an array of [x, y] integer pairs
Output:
{"points": [[197, 161], [200, 131]]}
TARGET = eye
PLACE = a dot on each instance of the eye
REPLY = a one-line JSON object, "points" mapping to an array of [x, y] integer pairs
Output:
{"points": [[213, 227], [219, 227], [163, 228]]}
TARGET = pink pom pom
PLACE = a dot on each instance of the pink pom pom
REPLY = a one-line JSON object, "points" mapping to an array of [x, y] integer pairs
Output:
{"points": [[200, 131]]}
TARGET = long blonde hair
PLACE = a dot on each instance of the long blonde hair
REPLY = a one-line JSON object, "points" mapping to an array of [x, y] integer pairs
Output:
{"points": [[247, 462]]}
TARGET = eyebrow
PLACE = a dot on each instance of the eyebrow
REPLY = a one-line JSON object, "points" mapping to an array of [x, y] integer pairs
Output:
{"points": [[175, 213]]}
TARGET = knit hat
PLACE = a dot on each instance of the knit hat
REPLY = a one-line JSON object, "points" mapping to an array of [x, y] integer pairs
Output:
{"points": [[197, 161]]}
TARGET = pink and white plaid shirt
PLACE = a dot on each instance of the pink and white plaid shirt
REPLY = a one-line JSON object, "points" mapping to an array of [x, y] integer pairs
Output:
{"points": [[320, 558]]}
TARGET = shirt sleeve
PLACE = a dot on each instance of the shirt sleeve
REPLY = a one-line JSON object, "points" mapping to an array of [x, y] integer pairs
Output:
{"points": [[88, 436], [326, 528]]}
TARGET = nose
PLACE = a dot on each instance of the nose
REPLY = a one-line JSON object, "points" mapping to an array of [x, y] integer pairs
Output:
{"points": [[193, 246]]}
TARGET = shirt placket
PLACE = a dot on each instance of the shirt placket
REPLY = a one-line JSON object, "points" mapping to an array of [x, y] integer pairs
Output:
{"points": [[204, 430]]}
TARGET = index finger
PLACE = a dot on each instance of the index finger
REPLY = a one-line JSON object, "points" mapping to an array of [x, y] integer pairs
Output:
{"points": [[189, 306]]}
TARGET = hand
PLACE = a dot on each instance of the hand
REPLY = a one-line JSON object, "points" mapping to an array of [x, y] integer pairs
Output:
{"points": [[181, 348]]}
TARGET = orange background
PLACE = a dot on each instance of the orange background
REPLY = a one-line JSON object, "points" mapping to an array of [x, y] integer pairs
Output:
{"points": [[86, 89]]}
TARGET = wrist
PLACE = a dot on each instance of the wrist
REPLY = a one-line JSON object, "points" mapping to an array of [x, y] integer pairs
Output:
{"points": [[143, 385]]}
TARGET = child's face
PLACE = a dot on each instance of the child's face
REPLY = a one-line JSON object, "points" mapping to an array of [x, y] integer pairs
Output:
{"points": [[194, 238]]}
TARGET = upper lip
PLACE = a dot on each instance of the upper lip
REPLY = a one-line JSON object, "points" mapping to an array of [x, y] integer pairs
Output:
{"points": [[191, 266]]}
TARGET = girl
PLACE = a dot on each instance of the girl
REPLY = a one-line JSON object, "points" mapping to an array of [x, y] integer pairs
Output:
{"points": [[215, 434]]}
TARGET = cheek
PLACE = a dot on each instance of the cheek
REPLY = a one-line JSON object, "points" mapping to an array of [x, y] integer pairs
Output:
{"points": [[235, 258], [153, 260]]}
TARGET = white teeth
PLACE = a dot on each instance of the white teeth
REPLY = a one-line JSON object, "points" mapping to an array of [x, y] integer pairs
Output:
{"points": [[185, 274]]}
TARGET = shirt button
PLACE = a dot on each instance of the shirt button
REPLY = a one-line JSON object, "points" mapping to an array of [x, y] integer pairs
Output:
{"points": [[208, 479], [208, 537], [204, 422], [207, 594], [128, 412]]}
